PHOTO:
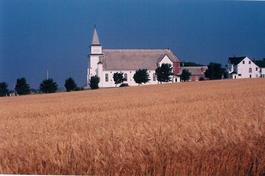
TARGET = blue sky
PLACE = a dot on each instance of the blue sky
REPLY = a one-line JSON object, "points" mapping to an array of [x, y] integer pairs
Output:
{"points": [[36, 35]]}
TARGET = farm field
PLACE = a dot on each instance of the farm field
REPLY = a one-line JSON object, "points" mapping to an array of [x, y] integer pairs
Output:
{"points": [[195, 128]]}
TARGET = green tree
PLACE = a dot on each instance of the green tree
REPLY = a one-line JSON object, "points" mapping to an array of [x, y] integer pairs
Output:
{"points": [[70, 85], [215, 71], [164, 73], [94, 80], [3, 89], [22, 88], [118, 78], [185, 75], [48, 86], [141, 76], [225, 73]]}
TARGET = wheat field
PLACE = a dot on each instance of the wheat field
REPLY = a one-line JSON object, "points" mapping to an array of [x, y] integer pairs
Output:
{"points": [[195, 128]]}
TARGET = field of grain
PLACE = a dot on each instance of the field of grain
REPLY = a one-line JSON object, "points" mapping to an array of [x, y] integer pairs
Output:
{"points": [[198, 128]]}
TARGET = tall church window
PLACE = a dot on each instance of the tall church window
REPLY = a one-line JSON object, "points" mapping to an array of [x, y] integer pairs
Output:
{"points": [[154, 77], [250, 70], [125, 77], [106, 77]]}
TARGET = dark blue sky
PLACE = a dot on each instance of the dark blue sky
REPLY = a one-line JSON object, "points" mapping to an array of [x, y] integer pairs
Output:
{"points": [[36, 35]]}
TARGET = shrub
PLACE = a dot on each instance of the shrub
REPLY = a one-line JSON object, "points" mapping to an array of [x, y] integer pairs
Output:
{"points": [[141, 76], [164, 73], [94, 80], [48, 86], [22, 88], [70, 85], [118, 78], [3, 89], [124, 85], [185, 75]]}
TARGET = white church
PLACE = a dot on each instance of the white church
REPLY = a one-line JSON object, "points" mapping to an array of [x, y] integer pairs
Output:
{"points": [[105, 62]]}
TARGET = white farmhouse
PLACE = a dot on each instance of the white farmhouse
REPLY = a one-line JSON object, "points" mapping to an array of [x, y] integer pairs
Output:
{"points": [[242, 67], [105, 62]]}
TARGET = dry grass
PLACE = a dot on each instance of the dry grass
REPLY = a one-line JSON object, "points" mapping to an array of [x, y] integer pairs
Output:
{"points": [[200, 128]]}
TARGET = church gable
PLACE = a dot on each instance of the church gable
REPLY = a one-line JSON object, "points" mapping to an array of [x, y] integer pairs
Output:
{"points": [[165, 60]]}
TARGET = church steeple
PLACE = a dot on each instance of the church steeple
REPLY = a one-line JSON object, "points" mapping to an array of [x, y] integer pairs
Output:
{"points": [[95, 47], [95, 55], [95, 38]]}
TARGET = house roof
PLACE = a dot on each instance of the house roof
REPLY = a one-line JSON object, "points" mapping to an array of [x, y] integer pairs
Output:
{"points": [[133, 59], [195, 70], [95, 38], [236, 60], [260, 63]]}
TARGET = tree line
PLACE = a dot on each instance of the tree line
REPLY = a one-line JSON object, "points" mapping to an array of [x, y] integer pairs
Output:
{"points": [[46, 86], [163, 74]]}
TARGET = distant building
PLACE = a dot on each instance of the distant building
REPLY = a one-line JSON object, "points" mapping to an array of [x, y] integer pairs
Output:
{"points": [[197, 70], [242, 67], [105, 62]]}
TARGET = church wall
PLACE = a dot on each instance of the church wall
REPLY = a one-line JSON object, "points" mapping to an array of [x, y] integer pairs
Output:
{"points": [[109, 82], [130, 81], [93, 65]]}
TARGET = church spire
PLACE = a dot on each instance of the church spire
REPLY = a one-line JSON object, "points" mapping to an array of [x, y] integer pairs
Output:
{"points": [[95, 39]]}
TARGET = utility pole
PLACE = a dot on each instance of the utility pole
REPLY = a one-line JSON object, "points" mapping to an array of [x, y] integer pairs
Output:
{"points": [[47, 74]]}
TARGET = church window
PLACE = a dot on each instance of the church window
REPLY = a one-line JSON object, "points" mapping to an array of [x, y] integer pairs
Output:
{"points": [[125, 77], [154, 77], [106, 77], [250, 70]]}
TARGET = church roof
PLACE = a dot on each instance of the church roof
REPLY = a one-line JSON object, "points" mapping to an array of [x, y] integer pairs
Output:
{"points": [[133, 59], [95, 38], [195, 70]]}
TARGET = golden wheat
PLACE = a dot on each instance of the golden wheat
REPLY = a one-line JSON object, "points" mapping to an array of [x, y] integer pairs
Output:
{"points": [[198, 128]]}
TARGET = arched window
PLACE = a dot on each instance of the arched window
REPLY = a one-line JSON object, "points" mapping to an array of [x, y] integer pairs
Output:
{"points": [[106, 77], [154, 77], [125, 77]]}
